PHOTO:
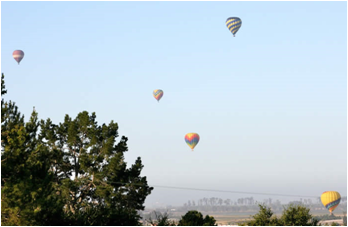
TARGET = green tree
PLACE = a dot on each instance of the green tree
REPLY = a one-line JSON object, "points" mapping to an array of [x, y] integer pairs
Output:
{"points": [[209, 221], [3, 92], [27, 195], [298, 215], [293, 215], [67, 174], [161, 220], [90, 173], [263, 218], [195, 218]]}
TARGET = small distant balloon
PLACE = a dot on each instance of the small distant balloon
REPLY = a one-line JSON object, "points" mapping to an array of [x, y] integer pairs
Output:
{"points": [[330, 200], [18, 55], [192, 139], [158, 94], [233, 24]]}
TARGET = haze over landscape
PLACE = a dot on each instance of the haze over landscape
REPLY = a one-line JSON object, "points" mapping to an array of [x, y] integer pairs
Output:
{"points": [[270, 105]]}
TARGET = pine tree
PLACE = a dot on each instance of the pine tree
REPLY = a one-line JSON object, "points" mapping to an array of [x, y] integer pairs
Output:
{"points": [[90, 172], [73, 173], [27, 195]]}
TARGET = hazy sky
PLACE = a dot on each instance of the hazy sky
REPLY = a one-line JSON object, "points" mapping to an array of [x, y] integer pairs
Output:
{"points": [[270, 104]]}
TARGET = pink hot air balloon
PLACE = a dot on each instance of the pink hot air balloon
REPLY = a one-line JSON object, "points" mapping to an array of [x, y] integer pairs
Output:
{"points": [[18, 55]]}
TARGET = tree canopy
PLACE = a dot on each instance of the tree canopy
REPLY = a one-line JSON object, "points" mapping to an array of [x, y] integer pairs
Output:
{"points": [[71, 173], [160, 219], [195, 218], [293, 215]]}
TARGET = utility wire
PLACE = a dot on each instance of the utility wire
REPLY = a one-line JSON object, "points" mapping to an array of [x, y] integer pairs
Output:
{"points": [[214, 190], [238, 192]]}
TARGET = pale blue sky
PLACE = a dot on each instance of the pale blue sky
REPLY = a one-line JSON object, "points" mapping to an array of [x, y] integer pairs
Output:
{"points": [[269, 104]]}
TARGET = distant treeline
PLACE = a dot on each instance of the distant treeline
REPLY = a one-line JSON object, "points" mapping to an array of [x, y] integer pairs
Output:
{"points": [[327, 217], [247, 204], [214, 201]]}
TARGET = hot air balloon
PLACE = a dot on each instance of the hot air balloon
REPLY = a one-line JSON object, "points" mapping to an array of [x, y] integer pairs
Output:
{"points": [[192, 139], [18, 55], [158, 94], [233, 24], [330, 200]]}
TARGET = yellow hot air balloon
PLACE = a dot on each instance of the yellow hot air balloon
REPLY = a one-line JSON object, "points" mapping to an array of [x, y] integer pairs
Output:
{"points": [[330, 200]]}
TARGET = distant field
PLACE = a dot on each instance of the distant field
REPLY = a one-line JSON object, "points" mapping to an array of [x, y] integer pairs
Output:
{"points": [[235, 217], [340, 221], [230, 219]]}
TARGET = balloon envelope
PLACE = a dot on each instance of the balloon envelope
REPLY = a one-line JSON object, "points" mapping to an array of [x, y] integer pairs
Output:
{"points": [[192, 139], [158, 94], [233, 24], [330, 200], [18, 55]]}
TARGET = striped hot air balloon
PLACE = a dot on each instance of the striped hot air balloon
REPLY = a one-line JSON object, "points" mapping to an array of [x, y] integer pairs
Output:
{"points": [[330, 200], [158, 94], [192, 139], [233, 24], [18, 55]]}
